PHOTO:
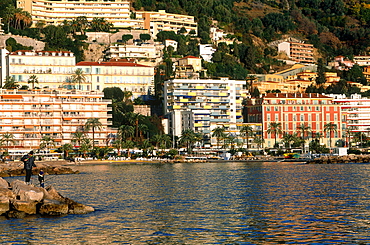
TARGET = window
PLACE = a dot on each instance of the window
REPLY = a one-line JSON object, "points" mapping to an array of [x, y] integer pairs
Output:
{"points": [[302, 118]]}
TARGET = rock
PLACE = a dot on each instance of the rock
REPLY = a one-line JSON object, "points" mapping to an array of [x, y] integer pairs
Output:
{"points": [[4, 183], [5, 192], [16, 214], [53, 207], [73, 206], [4, 204], [28, 207], [26, 192]]}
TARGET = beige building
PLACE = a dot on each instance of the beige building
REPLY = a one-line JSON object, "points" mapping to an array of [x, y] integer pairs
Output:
{"points": [[193, 61], [297, 51], [117, 12], [162, 21], [31, 115], [52, 68], [139, 79]]}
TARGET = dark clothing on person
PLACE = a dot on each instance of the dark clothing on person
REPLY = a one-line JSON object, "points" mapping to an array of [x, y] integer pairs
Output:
{"points": [[29, 162], [41, 179]]}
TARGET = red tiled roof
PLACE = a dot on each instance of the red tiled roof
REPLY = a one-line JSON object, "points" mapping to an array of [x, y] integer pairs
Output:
{"points": [[114, 63], [190, 57], [295, 95]]}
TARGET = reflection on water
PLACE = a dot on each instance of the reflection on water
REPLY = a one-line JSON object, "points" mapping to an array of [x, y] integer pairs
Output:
{"points": [[207, 203]]}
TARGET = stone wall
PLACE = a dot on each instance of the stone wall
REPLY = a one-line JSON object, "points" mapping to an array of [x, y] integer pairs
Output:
{"points": [[25, 41]]}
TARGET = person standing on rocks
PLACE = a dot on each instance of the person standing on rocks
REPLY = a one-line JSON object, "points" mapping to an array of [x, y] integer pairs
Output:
{"points": [[29, 162]]}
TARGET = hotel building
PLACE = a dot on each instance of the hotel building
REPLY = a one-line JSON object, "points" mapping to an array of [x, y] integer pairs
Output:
{"points": [[298, 52], [294, 109], [203, 105], [117, 12], [139, 79], [356, 113], [31, 115], [54, 69]]}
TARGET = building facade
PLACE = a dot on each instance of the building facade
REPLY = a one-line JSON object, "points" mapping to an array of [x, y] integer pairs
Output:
{"points": [[139, 79], [291, 110], [52, 68], [117, 12], [31, 115], [298, 52], [203, 105], [356, 115]]}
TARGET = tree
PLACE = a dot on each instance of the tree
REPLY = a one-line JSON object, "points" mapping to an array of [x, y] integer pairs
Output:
{"points": [[188, 138], [126, 132], [85, 146], [8, 139], [247, 131], [259, 141], [78, 137], [47, 142], [32, 80], [10, 83], [93, 124], [128, 144], [303, 128], [330, 128], [145, 36], [79, 77], [219, 133], [126, 37], [118, 144], [66, 148], [274, 128]]}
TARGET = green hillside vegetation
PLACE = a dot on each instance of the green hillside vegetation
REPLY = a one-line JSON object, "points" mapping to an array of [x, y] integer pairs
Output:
{"points": [[334, 27]]}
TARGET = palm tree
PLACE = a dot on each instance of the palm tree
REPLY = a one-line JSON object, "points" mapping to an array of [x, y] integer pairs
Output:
{"points": [[259, 141], [156, 140], [126, 132], [289, 138], [145, 145], [118, 144], [78, 137], [330, 127], [33, 79], [247, 131], [219, 133], [165, 141], [67, 148], [303, 129], [7, 138], [93, 124], [85, 146], [47, 142], [10, 83], [188, 138], [79, 77], [274, 128], [128, 144]]}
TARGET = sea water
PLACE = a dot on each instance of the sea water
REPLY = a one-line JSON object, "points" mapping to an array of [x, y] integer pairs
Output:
{"points": [[206, 203]]}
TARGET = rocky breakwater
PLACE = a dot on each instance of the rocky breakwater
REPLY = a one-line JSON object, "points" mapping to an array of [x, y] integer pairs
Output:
{"points": [[340, 159], [16, 169], [18, 200]]}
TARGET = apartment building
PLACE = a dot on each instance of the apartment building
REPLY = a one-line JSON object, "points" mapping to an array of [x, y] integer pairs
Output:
{"points": [[136, 51], [203, 105], [52, 68], [361, 60], [355, 114], [117, 12], [31, 115], [139, 79], [292, 110], [161, 21], [297, 51]]}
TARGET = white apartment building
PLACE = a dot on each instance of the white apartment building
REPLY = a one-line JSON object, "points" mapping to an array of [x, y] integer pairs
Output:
{"points": [[299, 52], [117, 12], [203, 105], [52, 68], [139, 79], [31, 115], [206, 51], [138, 51], [362, 60], [355, 112]]}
